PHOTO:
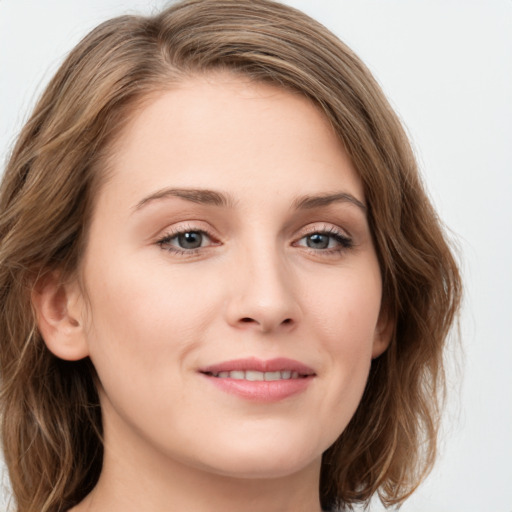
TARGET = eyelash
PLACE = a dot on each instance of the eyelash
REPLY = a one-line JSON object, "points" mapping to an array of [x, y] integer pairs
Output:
{"points": [[344, 243]]}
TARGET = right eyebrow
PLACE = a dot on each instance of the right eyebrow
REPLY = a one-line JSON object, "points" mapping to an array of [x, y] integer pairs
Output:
{"points": [[195, 195]]}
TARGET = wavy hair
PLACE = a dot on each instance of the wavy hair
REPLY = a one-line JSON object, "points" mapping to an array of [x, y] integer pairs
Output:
{"points": [[51, 418]]}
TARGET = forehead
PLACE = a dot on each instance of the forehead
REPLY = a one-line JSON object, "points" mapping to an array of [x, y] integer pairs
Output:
{"points": [[223, 131]]}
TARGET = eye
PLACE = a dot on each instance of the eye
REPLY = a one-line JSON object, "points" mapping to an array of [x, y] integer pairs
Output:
{"points": [[319, 241], [185, 241], [325, 241], [190, 239]]}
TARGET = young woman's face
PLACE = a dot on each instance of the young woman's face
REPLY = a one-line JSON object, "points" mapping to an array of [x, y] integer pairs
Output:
{"points": [[233, 290]]}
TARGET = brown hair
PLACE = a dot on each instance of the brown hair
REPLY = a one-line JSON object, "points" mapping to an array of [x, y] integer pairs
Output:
{"points": [[51, 421]]}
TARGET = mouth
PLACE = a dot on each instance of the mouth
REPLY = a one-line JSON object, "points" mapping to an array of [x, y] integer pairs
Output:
{"points": [[261, 380], [255, 376]]}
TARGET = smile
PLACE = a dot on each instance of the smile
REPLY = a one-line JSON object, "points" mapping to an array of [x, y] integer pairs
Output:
{"points": [[260, 380]]}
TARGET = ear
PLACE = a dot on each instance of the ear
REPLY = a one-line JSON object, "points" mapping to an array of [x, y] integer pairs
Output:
{"points": [[383, 332], [59, 308]]}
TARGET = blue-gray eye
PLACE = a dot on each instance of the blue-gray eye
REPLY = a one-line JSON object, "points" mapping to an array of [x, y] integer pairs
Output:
{"points": [[318, 241], [185, 241], [189, 240], [322, 240]]}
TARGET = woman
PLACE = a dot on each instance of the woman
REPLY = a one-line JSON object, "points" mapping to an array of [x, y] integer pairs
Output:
{"points": [[223, 285]]}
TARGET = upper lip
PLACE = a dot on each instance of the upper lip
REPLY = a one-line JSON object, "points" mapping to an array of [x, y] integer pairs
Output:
{"points": [[259, 365]]}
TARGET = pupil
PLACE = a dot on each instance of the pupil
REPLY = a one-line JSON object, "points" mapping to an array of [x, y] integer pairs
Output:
{"points": [[190, 240], [318, 241]]}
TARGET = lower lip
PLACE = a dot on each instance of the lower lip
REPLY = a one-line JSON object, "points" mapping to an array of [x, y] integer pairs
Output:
{"points": [[261, 391]]}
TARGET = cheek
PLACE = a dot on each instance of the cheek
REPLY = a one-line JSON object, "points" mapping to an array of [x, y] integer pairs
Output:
{"points": [[142, 331], [139, 315], [346, 308], [345, 317]]}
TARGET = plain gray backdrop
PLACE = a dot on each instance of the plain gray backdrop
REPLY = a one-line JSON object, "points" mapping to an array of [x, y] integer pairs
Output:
{"points": [[446, 66]]}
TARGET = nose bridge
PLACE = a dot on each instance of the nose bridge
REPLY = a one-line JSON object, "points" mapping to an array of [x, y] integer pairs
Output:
{"points": [[263, 293]]}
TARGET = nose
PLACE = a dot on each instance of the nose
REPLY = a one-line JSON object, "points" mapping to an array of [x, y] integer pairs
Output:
{"points": [[263, 293]]}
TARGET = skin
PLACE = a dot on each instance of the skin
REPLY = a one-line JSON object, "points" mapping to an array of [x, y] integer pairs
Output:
{"points": [[150, 313]]}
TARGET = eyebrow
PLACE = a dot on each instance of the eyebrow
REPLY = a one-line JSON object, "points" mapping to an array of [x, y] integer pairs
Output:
{"points": [[316, 201], [211, 197], [194, 195]]}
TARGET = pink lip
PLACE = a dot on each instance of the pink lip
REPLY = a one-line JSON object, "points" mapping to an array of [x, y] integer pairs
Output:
{"points": [[261, 391], [259, 365]]}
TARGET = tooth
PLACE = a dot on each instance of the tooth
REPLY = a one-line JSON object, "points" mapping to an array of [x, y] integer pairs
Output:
{"points": [[252, 375]]}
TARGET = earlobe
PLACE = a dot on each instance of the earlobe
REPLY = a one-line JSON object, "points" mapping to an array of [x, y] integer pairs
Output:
{"points": [[59, 312], [383, 333]]}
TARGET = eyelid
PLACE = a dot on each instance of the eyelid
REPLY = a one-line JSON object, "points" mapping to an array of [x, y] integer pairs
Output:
{"points": [[185, 226], [324, 227], [175, 235], [327, 228]]}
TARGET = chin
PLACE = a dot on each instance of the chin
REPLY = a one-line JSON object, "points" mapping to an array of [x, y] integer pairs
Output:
{"points": [[268, 467], [281, 457]]}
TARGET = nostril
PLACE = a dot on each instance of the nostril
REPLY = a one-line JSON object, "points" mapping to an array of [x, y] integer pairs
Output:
{"points": [[265, 325]]}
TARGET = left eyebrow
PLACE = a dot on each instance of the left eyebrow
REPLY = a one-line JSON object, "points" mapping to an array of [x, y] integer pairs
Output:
{"points": [[308, 202]]}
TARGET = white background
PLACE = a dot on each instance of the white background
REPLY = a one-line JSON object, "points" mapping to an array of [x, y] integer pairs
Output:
{"points": [[446, 65]]}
